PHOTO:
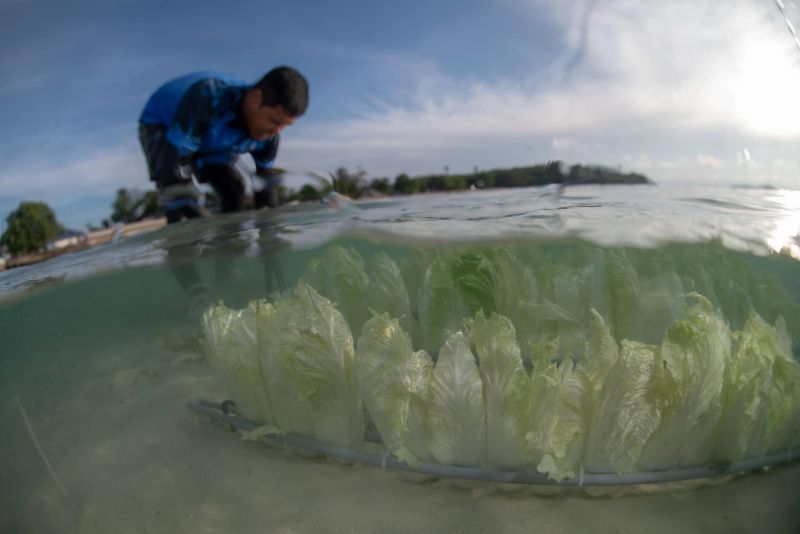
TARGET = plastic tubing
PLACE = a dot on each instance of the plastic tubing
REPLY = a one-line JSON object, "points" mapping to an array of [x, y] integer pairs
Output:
{"points": [[214, 411]]}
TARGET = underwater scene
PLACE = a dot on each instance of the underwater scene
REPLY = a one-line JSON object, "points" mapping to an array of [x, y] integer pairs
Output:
{"points": [[613, 358]]}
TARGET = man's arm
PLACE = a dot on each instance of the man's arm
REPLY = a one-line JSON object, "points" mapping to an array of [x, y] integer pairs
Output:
{"points": [[184, 135], [193, 117]]}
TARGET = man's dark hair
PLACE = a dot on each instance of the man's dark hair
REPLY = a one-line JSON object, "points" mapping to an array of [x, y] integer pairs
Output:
{"points": [[284, 87]]}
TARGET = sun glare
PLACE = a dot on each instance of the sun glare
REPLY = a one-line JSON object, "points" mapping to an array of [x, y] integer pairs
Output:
{"points": [[765, 88], [784, 237]]}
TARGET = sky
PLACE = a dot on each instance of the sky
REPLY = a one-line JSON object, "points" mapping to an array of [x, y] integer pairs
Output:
{"points": [[686, 91]]}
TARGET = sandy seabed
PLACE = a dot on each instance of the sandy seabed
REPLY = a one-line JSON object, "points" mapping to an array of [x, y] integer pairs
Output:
{"points": [[128, 456]]}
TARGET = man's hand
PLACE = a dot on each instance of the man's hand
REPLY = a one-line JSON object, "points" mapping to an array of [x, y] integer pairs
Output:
{"points": [[184, 197]]}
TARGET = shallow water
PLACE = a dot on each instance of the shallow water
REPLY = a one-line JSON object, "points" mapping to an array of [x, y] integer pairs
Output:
{"points": [[101, 349]]}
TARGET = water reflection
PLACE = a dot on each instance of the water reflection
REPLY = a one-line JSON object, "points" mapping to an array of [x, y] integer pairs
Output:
{"points": [[784, 236], [234, 236]]}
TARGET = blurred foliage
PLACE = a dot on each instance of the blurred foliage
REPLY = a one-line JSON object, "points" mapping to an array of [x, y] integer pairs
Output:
{"points": [[381, 185], [404, 185], [132, 206], [349, 183], [30, 227], [354, 184], [309, 193]]}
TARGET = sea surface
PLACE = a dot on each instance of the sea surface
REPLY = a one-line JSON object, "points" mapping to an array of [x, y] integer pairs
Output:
{"points": [[101, 349]]}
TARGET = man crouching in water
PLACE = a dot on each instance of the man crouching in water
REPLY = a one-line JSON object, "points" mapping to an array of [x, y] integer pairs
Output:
{"points": [[201, 122]]}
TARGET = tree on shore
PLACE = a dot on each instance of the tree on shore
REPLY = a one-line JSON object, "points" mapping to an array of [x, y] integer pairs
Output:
{"points": [[381, 185], [30, 227], [308, 193], [352, 184], [349, 183], [132, 206], [405, 185], [122, 206]]}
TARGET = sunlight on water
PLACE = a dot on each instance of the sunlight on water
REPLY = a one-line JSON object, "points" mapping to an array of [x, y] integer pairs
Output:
{"points": [[784, 238]]}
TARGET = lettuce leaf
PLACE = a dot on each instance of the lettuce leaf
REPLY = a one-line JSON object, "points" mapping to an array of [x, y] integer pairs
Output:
{"points": [[394, 384], [557, 419], [307, 361], [387, 292], [688, 380], [505, 390], [441, 309], [623, 415], [456, 415], [340, 276], [233, 351], [762, 401]]}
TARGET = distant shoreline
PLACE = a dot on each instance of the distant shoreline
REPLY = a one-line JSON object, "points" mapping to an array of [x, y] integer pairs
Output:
{"points": [[353, 184], [87, 240], [515, 177]]}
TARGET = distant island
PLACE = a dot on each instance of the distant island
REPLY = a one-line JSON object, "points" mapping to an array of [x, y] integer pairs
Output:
{"points": [[536, 175], [595, 174], [356, 185]]}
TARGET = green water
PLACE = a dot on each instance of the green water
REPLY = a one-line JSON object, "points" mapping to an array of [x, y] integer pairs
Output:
{"points": [[102, 365]]}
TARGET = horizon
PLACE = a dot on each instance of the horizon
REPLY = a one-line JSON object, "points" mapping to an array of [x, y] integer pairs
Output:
{"points": [[108, 199], [686, 92]]}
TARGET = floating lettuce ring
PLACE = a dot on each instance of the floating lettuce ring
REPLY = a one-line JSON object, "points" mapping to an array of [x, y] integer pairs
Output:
{"points": [[220, 412]]}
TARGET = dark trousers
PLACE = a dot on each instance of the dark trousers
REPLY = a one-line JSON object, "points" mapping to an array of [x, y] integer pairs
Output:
{"points": [[226, 180]]}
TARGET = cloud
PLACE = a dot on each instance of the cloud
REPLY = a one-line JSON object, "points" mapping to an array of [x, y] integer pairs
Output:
{"points": [[687, 64], [86, 172], [79, 188], [658, 76], [705, 160]]}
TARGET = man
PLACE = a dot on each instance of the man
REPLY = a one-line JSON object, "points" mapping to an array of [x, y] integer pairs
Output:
{"points": [[201, 122]]}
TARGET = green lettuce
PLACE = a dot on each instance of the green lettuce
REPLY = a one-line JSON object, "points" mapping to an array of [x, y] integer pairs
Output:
{"points": [[307, 362], [441, 308], [232, 341], [340, 276], [763, 393], [688, 380], [623, 371], [456, 414], [623, 415], [394, 382], [749, 382], [475, 280], [386, 291], [505, 390], [620, 414], [557, 420]]}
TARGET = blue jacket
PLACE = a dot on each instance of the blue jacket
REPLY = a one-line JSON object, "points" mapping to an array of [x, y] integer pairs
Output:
{"points": [[202, 117]]}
